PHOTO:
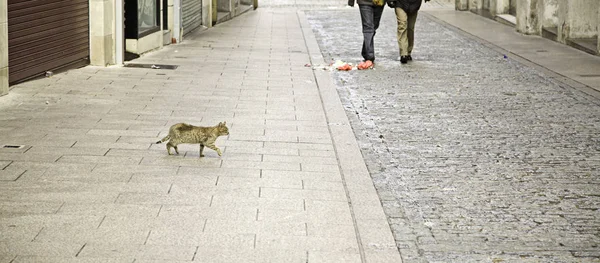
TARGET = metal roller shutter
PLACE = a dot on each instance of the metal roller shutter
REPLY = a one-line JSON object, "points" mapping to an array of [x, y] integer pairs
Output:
{"points": [[191, 15], [46, 35]]}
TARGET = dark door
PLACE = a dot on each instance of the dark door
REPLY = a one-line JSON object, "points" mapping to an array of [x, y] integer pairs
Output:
{"points": [[191, 13], [513, 7], [46, 35]]}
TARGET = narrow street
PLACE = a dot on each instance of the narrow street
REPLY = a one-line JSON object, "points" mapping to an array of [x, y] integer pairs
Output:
{"points": [[476, 157], [468, 153]]}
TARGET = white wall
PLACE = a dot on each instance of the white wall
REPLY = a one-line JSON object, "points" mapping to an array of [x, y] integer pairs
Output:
{"points": [[3, 47], [577, 19], [102, 47]]}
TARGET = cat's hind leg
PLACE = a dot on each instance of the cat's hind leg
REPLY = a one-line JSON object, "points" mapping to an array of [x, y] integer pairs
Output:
{"points": [[173, 143], [174, 146], [201, 149], [169, 148]]}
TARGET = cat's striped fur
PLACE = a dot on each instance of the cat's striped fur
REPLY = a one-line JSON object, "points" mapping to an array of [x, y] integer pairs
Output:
{"points": [[185, 133]]}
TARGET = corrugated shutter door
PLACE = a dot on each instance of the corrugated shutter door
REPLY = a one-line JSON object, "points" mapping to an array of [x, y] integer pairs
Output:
{"points": [[192, 15], [46, 35]]}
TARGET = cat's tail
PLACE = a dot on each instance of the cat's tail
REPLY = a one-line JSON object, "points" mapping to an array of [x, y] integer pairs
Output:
{"points": [[164, 139]]}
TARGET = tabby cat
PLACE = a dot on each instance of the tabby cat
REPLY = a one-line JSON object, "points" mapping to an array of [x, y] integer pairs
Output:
{"points": [[184, 133]]}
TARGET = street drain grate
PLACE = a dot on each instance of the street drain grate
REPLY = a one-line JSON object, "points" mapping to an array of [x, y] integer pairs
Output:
{"points": [[152, 66], [13, 146]]}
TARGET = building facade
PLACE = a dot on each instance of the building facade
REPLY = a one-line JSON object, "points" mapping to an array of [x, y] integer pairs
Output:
{"points": [[572, 22], [37, 37]]}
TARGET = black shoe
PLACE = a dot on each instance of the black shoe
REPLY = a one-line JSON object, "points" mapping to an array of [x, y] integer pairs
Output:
{"points": [[409, 58], [404, 59]]}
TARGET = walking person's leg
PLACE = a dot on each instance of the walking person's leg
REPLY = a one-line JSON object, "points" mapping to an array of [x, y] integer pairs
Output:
{"points": [[368, 30], [402, 19], [377, 12], [412, 20]]}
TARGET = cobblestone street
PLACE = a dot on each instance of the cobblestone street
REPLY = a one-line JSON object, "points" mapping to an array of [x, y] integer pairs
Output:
{"points": [[476, 158], [471, 154]]}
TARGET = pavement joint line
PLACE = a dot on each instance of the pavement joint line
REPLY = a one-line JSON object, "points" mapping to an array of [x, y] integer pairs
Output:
{"points": [[195, 253], [148, 236], [38, 234], [11, 162], [361, 248], [81, 249], [159, 210], [585, 89], [204, 226], [20, 175], [60, 207]]}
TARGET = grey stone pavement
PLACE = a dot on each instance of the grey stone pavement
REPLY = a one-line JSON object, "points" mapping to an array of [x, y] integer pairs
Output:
{"points": [[88, 185], [486, 148], [461, 156]]}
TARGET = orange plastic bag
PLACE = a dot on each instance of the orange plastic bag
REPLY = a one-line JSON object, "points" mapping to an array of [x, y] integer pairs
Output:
{"points": [[345, 67]]}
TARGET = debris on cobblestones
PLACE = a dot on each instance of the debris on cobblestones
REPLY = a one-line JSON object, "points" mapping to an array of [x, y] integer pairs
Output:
{"points": [[341, 65], [338, 65]]}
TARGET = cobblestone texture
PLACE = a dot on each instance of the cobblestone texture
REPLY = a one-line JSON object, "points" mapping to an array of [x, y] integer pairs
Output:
{"points": [[476, 158]]}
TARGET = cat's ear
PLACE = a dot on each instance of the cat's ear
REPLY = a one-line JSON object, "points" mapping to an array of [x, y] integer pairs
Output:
{"points": [[220, 124], [224, 123]]}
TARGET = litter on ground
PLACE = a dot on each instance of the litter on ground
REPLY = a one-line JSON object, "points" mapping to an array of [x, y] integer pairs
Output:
{"points": [[342, 66]]}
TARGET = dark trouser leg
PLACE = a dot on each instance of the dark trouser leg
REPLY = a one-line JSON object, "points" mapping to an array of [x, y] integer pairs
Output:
{"points": [[370, 17], [412, 19]]}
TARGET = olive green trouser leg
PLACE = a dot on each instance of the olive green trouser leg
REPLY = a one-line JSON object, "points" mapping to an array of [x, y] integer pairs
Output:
{"points": [[406, 31]]}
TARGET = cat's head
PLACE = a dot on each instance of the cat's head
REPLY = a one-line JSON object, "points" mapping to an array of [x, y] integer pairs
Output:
{"points": [[223, 130]]}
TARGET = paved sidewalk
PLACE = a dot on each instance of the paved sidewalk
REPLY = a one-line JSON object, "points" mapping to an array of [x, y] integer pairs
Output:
{"points": [[88, 185], [563, 63]]}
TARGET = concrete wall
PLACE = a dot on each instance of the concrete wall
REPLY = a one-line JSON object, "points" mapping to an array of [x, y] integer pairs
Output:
{"points": [[224, 5], [491, 7], [169, 9], [227, 5], [527, 17], [475, 5], [102, 28], [572, 19], [144, 44], [3, 47], [207, 13], [577, 19], [500, 7], [548, 11], [584, 18], [496, 7], [462, 5]]}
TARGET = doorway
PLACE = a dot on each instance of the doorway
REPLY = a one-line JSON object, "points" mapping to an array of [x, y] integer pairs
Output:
{"points": [[512, 9]]}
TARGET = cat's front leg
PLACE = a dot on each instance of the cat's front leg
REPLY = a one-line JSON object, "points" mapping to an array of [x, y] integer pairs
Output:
{"points": [[201, 149], [212, 146]]}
